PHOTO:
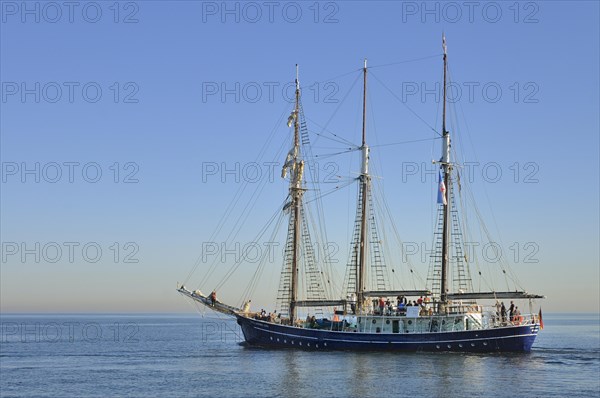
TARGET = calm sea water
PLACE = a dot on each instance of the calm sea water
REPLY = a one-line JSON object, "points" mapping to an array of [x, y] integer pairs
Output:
{"points": [[158, 355]]}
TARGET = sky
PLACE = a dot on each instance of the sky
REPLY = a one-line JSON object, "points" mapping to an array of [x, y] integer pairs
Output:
{"points": [[128, 127]]}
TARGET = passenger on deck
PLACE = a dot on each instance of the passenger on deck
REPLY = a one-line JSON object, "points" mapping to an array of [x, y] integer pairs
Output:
{"points": [[503, 312], [420, 300], [511, 311], [213, 298], [336, 318], [402, 308], [246, 308], [381, 305], [517, 317], [353, 302]]}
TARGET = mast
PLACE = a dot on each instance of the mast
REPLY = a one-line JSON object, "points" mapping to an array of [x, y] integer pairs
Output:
{"points": [[447, 167], [364, 180], [296, 195]]}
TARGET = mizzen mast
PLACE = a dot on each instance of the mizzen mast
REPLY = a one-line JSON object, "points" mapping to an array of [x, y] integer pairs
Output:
{"points": [[447, 168]]}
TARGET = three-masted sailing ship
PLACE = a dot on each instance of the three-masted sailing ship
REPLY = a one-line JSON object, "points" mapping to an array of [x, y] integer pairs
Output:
{"points": [[374, 316]]}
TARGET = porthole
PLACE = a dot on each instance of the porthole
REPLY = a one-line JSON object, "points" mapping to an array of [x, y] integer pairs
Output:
{"points": [[285, 341], [387, 322], [410, 322], [292, 342], [316, 345], [308, 344], [437, 346], [374, 321], [472, 344], [485, 343], [449, 346], [460, 345], [271, 337], [325, 344], [299, 343]]}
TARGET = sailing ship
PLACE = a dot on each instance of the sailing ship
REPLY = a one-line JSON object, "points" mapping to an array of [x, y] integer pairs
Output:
{"points": [[369, 314]]}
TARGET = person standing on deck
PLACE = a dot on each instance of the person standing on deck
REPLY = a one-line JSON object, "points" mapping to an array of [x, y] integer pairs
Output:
{"points": [[511, 311], [336, 318], [352, 298]]}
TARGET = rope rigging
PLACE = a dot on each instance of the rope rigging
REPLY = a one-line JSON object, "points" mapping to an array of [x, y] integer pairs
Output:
{"points": [[378, 207]]}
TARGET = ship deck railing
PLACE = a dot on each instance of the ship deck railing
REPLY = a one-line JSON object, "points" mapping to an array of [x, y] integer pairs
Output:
{"points": [[396, 324]]}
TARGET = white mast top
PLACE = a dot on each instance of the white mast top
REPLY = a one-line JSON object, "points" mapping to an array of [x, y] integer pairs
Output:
{"points": [[365, 147], [445, 134]]}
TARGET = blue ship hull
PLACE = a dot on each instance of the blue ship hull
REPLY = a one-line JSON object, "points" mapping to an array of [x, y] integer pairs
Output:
{"points": [[501, 339]]}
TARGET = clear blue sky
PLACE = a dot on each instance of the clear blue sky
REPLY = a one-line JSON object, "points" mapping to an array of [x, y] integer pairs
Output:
{"points": [[136, 92]]}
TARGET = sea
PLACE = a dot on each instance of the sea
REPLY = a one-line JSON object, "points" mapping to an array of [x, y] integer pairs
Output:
{"points": [[203, 355]]}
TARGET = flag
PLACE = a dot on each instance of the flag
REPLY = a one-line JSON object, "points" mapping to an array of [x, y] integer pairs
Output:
{"points": [[541, 320], [442, 190]]}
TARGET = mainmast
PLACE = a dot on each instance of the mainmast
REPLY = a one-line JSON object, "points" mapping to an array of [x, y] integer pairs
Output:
{"points": [[296, 195], [364, 181], [447, 168]]}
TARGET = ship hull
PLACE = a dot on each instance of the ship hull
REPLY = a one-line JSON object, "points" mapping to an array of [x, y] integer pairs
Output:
{"points": [[501, 339]]}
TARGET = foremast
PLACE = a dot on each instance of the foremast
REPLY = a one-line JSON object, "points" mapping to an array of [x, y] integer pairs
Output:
{"points": [[296, 167], [365, 183], [447, 169]]}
